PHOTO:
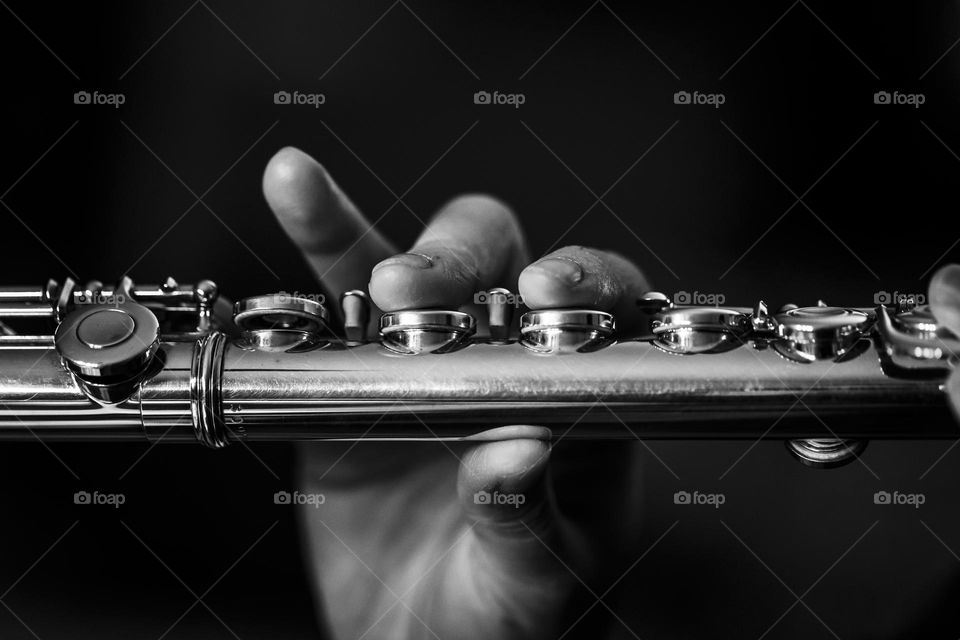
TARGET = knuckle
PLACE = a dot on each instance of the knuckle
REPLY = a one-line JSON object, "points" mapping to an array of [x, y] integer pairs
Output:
{"points": [[483, 208]]}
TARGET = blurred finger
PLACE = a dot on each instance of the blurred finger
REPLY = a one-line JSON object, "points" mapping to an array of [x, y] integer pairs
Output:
{"points": [[944, 296], [473, 243], [518, 533], [581, 277], [338, 242]]}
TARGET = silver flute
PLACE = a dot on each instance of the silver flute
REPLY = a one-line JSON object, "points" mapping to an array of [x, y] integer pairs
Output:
{"points": [[179, 363]]}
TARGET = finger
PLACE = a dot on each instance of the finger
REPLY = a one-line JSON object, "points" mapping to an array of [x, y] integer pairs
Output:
{"points": [[953, 392], [337, 241], [474, 243], [944, 296], [518, 534], [582, 277]]}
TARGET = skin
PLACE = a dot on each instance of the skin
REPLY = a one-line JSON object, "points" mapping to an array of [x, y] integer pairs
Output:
{"points": [[400, 549]]}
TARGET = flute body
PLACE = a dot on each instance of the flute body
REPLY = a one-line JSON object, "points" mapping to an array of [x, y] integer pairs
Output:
{"points": [[110, 371]]}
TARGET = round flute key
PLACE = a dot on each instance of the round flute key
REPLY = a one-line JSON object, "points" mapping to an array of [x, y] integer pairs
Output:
{"points": [[819, 333], [106, 328], [920, 323], [423, 331], [690, 330], [825, 453], [108, 347], [279, 321], [562, 331]]}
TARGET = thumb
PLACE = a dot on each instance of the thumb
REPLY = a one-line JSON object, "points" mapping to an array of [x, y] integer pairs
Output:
{"points": [[524, 552]]}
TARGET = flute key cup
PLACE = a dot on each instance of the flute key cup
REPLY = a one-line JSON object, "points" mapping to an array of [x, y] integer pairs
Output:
{"points": [[563, 331], [426, 331]]}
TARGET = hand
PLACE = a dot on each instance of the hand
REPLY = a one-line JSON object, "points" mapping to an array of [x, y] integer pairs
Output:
{"points": [[400, 520]]}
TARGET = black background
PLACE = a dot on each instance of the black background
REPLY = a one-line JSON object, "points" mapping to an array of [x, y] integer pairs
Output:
{"points": [[87, 193]]}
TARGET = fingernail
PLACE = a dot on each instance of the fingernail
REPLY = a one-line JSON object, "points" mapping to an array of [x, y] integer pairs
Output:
{"points": [[414, 260], [562, 268]]}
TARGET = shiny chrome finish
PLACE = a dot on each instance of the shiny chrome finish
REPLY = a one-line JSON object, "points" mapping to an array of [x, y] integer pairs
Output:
{"points": [[425, 331], [826, 453], [690, 330], [500, 305], [39, 398], [277, 322], [566, 331], [202, 384], [206, 381], [819, 333], [108, 348], [355, 307], [632, 390]]}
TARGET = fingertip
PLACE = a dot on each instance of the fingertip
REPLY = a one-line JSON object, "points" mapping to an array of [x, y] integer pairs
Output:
{"points": [[400, 282], [553, 282], [509, 466], [300, 193], [291, 169]]}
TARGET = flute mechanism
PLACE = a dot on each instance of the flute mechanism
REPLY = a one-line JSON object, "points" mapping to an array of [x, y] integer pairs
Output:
{"points": [[177, 363]]}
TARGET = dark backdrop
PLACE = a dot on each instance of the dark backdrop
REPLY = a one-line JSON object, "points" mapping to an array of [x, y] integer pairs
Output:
{"points": [[703, 198]]}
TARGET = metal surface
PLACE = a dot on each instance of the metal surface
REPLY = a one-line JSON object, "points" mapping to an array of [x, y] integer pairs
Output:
{"points": [[700, 330], [425, 331], [566, 331], [203, 385]]}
